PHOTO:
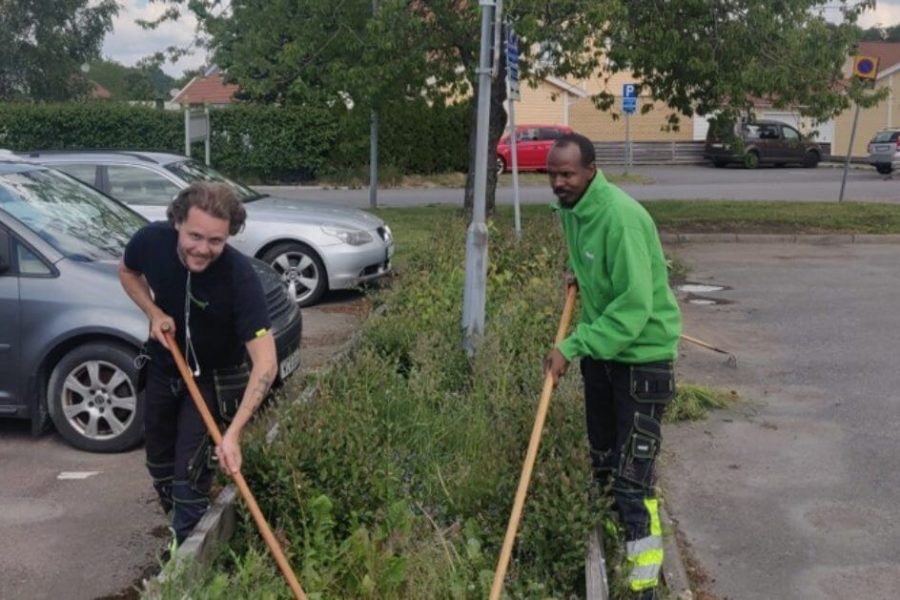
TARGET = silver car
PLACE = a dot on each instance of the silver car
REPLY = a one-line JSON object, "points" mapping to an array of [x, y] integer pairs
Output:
{"points": [[315, 246], [884, 151], [68, 333]]}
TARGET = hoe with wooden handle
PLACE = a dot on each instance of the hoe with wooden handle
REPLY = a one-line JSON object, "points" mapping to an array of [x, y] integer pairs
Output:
{"points": [[531, 455], [249, 500]]}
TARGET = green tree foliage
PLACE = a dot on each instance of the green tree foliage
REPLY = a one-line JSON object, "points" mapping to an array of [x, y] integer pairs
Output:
{"points": [[693, 55], [44, 45], [131, 83], [881, 34]]}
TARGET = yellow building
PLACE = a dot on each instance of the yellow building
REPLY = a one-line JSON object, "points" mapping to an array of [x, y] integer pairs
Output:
{"points": [[556, 101], [885, 114]]}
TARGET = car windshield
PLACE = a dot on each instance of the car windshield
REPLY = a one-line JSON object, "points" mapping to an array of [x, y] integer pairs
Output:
{"points": [[193, 171], [80, 222], [885, 136]]}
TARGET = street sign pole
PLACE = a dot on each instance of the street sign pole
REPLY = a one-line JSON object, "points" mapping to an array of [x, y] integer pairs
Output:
{"points": [[373, 144], [475, 292], [865, 69], [512, 93], [849, 152], [515, 168], [629, 105], [627, 141]]}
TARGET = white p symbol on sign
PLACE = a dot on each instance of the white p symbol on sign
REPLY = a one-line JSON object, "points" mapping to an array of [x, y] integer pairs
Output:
{"points": [[628, 90]]}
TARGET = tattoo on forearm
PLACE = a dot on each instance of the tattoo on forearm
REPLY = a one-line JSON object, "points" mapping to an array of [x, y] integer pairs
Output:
{"points": [[262, 386]]}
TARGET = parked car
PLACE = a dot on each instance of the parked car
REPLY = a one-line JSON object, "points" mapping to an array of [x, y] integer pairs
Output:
{"points": [[760, 142], [884, 151], [533, 143], [69, 334], [314, 246]]}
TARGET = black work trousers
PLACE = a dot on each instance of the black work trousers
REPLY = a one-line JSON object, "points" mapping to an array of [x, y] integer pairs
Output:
{"points": [[179, 449], [623, 406]]}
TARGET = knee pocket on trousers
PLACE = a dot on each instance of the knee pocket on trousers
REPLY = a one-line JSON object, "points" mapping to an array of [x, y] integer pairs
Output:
{"points": [[640, 450]]}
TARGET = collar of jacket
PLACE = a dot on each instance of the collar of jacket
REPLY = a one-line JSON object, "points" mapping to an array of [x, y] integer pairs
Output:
{"points": [[583, 208]]}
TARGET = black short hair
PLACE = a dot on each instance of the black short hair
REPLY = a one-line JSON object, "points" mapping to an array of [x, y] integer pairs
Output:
{"points": [[585, 145]]}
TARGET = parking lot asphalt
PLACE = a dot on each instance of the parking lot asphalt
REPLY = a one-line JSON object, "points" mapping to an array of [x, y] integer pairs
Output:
{"points": [[676, 183], [792, 492], [73, 524], [81, 526]]}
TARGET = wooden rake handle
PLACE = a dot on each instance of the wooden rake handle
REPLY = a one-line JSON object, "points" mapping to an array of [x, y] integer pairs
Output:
{"points": [[531, 455], [246, 494]]}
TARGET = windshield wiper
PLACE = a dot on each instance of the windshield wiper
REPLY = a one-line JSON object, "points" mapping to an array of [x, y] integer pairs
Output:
{"points": [[256, 196]]}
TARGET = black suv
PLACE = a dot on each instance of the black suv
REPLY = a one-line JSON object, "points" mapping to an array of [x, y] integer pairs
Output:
{"points": [[760, 142]]}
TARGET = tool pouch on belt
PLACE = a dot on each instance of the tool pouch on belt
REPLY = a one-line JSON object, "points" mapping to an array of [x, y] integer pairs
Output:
{"points": [[201, 464], [652, 382], [230, 383]]}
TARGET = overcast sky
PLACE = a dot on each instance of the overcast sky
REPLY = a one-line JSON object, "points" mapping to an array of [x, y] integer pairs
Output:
{"points": [[128, 43]]}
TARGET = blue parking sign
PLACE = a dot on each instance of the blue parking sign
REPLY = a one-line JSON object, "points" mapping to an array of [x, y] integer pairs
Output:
{"points": [[629, 98]]}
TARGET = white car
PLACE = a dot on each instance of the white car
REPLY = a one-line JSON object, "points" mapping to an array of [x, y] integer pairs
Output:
{"points": [[314, 246]]}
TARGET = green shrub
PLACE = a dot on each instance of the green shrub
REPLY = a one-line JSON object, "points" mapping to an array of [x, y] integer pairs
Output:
{"points": [[259, 143], [413, 137]]}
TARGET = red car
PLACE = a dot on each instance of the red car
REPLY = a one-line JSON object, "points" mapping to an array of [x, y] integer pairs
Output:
{"points": [[532, 146]]}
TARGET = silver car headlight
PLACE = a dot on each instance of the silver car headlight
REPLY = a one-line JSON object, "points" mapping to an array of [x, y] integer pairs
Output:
{"points": [[354, 237]]}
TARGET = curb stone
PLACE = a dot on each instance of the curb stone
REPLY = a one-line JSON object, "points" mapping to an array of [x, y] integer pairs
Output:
{"points": [[775, 238]]}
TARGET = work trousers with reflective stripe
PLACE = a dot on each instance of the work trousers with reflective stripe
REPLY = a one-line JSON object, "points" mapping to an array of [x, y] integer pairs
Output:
{"points": [[178, 448], [623, 408]]}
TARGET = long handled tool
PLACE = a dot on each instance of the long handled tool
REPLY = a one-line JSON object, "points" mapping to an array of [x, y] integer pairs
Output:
{"points": [[531, 455], [732, 359], [249, 500]]}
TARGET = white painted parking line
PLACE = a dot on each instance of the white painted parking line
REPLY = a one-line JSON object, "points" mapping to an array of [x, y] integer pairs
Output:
{"points": [[76, 474]]}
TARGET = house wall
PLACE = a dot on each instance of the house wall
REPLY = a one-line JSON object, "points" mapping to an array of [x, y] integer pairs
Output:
{"points": [[546, 104], [871, 120]]}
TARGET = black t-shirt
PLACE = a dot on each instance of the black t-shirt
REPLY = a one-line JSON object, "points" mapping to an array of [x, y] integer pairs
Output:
{"points": [[227, 305]]}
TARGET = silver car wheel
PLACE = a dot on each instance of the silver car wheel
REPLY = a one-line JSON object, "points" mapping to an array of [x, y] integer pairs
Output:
{"points": [[98, 400], [301, 271]]}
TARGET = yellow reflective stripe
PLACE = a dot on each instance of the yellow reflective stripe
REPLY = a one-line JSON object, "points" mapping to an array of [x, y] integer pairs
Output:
{"points": [[261, 332], [652, 505], [646, 554], [643, 578]]}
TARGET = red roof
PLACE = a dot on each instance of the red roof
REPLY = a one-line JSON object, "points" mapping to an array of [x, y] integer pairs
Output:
{"points": [[207, 90], [888, 53], [100, 92]]}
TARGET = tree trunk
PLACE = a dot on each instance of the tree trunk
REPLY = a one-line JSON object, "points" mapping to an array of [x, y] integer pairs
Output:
{"points": [[498, 124]]}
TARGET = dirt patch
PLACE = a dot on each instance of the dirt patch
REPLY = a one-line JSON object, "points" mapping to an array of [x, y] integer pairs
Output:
{"points": [[329, 326]]}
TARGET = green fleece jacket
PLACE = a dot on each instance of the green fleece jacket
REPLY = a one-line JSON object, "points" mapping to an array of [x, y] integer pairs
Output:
{"points": [[628, 311]]}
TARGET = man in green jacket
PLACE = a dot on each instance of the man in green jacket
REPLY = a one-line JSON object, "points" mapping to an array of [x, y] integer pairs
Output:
{"points": [[626, 341]]}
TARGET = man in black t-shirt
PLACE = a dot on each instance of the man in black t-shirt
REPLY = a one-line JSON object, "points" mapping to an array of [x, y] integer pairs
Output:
{"points": [[184, 275]]}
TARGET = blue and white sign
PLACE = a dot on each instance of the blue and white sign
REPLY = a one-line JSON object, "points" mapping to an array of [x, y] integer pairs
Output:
{"points": [[629, 98], [512, 63]]}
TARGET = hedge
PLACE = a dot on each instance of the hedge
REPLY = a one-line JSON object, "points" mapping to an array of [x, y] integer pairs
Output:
{"points": [[262, 143]]}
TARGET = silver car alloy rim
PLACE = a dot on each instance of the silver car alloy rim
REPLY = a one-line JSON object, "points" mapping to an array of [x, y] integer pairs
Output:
{"points": [[299, 274], [98, 400]]}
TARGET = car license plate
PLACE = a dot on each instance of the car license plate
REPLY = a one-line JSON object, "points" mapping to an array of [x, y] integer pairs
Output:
{"points": [[290, 364]]}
